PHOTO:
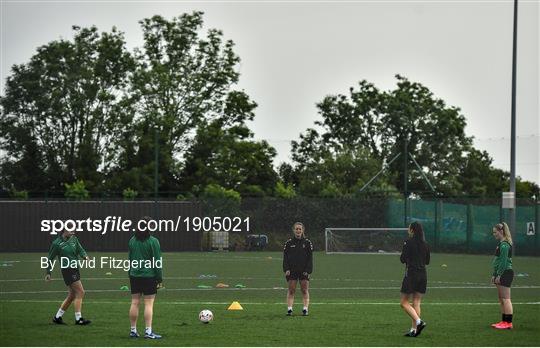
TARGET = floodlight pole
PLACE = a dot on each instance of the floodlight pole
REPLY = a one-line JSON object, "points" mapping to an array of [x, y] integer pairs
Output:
{"points": [[156, 152], [405, 176], [512, 212]]}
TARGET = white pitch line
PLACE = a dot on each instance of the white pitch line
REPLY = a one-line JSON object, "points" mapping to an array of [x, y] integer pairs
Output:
{"points": [[282, 304], [266, 289], [241, 278]]}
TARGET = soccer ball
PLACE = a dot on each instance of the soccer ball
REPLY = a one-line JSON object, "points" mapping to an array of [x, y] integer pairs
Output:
{"points": [[206, 316]]}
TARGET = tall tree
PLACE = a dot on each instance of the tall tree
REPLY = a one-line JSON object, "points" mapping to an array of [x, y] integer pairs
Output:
{"points": [[181, 82], [61, 110], [224, 153], [479, 178], [434, 132], [378, 123]]}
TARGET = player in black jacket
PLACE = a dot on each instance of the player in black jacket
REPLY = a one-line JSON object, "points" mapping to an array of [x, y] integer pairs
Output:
{"points": [[298, 265], [415, 256]]}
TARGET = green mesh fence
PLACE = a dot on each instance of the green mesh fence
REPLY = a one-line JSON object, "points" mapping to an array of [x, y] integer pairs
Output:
{"points": [[453, 234], [466, 226], [484, 217]]}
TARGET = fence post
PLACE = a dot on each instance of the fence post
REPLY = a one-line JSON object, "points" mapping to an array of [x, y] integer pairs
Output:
{"points": [[470, 224], [536, 220], [438, 220]]}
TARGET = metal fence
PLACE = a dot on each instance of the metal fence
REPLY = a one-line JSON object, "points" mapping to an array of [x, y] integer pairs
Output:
{"points": [[465, 225], [451, 225], [20, 229]]}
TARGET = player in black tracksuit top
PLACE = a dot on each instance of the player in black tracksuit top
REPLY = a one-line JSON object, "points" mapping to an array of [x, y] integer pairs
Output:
{"points": [[298, 265], [415, 256]]}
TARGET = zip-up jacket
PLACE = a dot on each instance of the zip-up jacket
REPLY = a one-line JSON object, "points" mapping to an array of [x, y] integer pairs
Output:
{"points": [[70, 248], [145, 250], [415, 254], [298, 255], [503, 258]]}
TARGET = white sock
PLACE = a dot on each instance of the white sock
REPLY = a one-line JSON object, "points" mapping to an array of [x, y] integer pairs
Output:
{"points": [[133, 329], [418, 321], [289, 308], [305, 308], [60, 313], [413, 329], [148, 330], [78, 315]]}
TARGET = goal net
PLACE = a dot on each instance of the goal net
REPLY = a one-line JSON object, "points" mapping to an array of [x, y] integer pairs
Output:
{"points": [[364, 240]]}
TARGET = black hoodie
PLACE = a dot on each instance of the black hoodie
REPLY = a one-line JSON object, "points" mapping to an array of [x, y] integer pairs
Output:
{"points": [[415, 254], [298, 255]]}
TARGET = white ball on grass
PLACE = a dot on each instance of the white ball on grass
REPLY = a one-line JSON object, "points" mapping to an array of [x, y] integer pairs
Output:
{"points": [[206, 316]]}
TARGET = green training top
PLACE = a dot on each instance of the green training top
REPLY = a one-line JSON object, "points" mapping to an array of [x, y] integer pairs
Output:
{"points": [[70, 248], [147, 249], [503, 258]]}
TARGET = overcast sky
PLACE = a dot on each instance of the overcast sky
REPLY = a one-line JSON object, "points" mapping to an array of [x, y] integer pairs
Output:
{"points": [[296, 52]]}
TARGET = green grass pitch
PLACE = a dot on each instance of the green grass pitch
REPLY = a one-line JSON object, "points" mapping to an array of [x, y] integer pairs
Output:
{"points": [[354, 302]]}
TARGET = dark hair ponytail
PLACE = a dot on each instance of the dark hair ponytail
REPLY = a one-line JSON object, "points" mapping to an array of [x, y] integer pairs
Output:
{"points": [[418, 231]]}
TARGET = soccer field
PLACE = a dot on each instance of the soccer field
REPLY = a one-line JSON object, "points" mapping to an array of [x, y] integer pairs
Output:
{"points": [[354, 302]]}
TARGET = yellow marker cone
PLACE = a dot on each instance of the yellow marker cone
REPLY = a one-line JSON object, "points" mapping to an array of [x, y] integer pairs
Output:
{"points": [[235, 306]]}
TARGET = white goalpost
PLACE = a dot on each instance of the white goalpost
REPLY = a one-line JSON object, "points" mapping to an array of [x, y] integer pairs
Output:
{"points": [[374, 240]]}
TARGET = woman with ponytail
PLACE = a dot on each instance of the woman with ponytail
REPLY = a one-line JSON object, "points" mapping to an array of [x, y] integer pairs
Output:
{"points": [[503, 274], [415, 256], [297, 266]]}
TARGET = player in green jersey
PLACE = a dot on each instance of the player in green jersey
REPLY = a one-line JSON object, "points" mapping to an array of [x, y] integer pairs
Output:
{"points": [[68, 248], [144, 280], [503, 274]]}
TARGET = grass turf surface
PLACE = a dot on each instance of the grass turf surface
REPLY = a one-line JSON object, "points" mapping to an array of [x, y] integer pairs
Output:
{"points": [[354, 303]]}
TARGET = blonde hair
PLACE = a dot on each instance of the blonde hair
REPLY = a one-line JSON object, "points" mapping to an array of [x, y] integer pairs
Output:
{"points": [[503, 227], [303, 228]]}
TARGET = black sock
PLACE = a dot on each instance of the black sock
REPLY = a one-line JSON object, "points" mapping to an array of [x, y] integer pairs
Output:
{"points": [[503, 317], [508, 318]]}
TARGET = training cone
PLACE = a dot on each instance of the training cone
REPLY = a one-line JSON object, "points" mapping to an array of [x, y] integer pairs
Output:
{"points": [[235, 306]]}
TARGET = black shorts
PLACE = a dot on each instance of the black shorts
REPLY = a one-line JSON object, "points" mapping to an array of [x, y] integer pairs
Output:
{"points": [[415, 281], [507, 277], [71, 275], [144, 285], [297, 276]]}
